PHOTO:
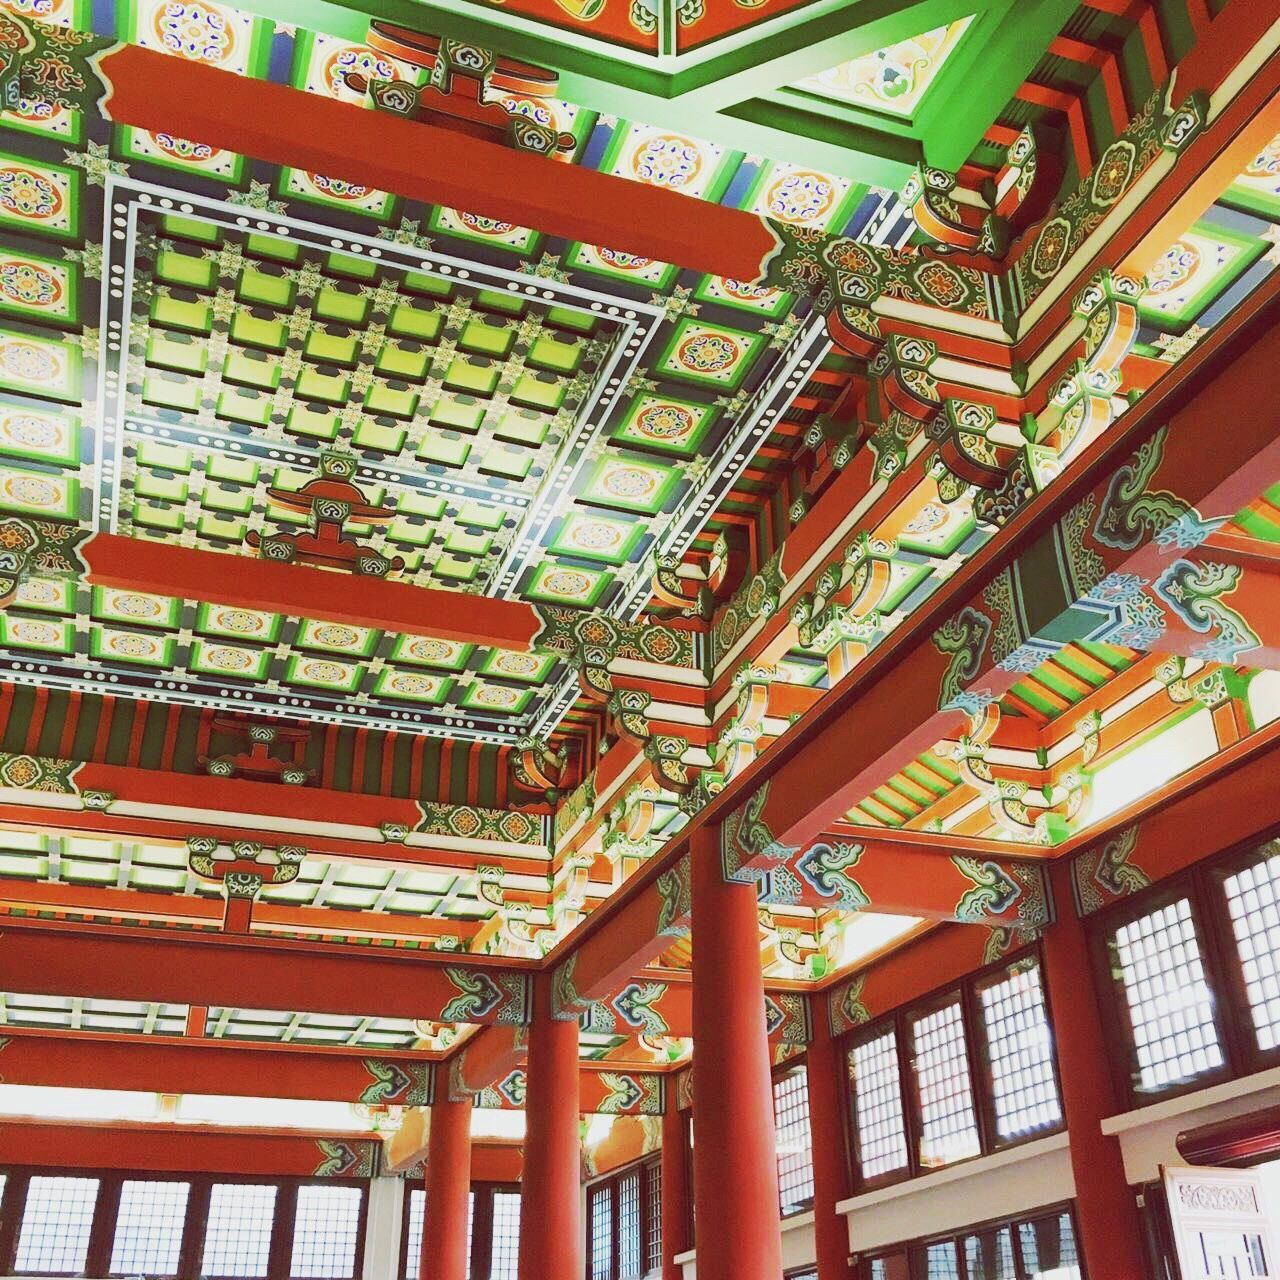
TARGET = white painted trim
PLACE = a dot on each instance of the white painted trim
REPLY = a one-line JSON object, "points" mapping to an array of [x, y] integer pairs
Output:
{"points": [[954, 1173], [1007, 1183], [1149, 1136], [1187, 1103]]}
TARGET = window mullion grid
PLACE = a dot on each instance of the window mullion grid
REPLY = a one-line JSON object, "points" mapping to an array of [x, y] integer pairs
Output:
{"points": [[913, 1119], [1224, 969], [980, 1087]]}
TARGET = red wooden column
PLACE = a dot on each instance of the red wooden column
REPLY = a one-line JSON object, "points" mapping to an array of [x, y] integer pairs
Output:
{"points": [[735, 1170], [675, 1190], [824, 1068], [1107, 1215], [448, 1182], [551, 1245]]}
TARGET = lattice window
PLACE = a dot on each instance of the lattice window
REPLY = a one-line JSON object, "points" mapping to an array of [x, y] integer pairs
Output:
{"points": [[949, 1129], [1020, 1053], [877, 1105], [237, 1238], [942, 1261], [794, 1140], [413, 1232], [54, 1238], [988, 1255], [1170, 1006], [1253, 900], [506, 1235], [629, 1226], [326, 1232], [1049, 1248], [602, 1232], [653, 1228], [148, 1239]]}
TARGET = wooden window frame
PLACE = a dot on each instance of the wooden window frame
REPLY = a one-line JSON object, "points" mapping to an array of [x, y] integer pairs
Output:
{"points": [[481, 1242], [1203, 885], [195, 1225], [792, 1065], [977, 1061], [611, 1183], [914, 1249]]}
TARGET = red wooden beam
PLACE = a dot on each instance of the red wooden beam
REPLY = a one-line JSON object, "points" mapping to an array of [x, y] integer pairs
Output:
{"points": [[121, 963], [1237, 805], [386, 152], [248, 582], [844, 874], [156, 1064], [940, 957], [170, 1148]]}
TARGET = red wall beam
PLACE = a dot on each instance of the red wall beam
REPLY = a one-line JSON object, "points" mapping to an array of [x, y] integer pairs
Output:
{"points": [[121, 963], [248, 582], [424, 162], [151, 1064]]}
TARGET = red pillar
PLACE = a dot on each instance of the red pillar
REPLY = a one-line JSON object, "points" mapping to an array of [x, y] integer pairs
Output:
{"points": [[675, 1190], [735, 1170], [824, 1068], [1106, 1212], [448, 1182], [551, 1243]]}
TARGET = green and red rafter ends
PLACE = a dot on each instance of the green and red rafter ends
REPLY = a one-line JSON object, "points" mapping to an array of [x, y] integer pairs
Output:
{"points": [[1125, 565]]}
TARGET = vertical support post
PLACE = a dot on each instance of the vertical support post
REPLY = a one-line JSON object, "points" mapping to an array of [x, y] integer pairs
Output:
{"points": [[551, 1244], [675, 1190], [826, 1075], [448, 1184], [735, 1170], [237, 912], [1106, 1210], [382, 1229]]}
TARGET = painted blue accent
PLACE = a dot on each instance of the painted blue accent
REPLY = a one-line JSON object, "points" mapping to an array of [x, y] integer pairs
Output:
{"points": [[280, 58], [102, 18], [739, 185], [597, 143]]}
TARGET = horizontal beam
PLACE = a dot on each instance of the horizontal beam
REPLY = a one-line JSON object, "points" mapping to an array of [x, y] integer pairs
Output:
{"points": [[158, 804], [171, 1064], [184, 1149], [835, 874], [1238, 805], [249, 582], [439, 166], [121, 963], [942, 956]]}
